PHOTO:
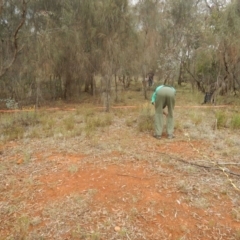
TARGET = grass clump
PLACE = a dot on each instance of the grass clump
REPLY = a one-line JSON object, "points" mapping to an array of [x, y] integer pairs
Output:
{"points": [[235, 121], [196, 118], [73, 169], [236, 214], [93, 122], [130, 122], [69, 123], [145, 119], [14, 126], [221, 118]]}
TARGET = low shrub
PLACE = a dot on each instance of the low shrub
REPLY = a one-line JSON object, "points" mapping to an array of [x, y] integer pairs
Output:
{"points": [[221, 118], [235, 121], [146, 118]]}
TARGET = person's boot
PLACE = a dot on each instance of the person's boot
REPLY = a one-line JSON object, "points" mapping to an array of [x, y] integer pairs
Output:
{"points": [[157, 136], [170, 136]]}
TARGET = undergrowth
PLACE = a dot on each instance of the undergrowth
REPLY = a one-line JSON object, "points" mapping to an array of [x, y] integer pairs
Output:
{"points": [[146, 118]]}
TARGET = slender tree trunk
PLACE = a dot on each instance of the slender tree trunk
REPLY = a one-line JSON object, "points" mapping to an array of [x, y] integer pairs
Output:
{"points": [[116, 88], [37, 93], [144, 84], [108, 89], [180, 74], [93, 86]]}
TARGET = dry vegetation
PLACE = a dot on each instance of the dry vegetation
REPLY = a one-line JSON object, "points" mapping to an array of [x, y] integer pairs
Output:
{"points": [[86, 174]]}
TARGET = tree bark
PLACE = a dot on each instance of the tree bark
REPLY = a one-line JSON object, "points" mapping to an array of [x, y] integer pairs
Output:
{"points": [[4, 69]]}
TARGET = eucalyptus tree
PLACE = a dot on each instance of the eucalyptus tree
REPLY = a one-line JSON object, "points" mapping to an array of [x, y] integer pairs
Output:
{"points": [[150, 42], [182, 32], [113, 34], [57, 47], [43, 24], [89, 44], [214, 62], [12, 20], [228, 32], [170, 31]]}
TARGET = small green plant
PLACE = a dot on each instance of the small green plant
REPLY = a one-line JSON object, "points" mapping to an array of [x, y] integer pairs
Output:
{"points": [[196, 119], [73, 169], [27, 157], [34, 133], [146, 118], [178, 124], [69, 123], [10, 103], [95, 235], [183, 187], [47, 122], [236, 214], [23, 226], [94, 122], [200, 202], [237, 235], [79, 233], [221, 118], [16, 132], [134, 212], [14, 125], [235, 121], [123, 232]]}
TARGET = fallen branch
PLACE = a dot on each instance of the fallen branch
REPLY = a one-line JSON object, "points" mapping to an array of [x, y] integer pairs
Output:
{"points": [[203, 166], [125, 175], [231, 163]]}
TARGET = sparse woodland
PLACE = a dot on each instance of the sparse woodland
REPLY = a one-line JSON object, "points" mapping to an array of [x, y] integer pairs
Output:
{"points": [[63, 49], [78, 161]]}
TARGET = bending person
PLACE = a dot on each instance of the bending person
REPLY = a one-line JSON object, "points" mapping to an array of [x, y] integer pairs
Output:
{"points": [[164, 96]]}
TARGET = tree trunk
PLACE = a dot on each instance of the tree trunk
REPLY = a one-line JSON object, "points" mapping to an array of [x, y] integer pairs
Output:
{"points": [[108, 89], [180, 74], [144, 84], [116, 88]]}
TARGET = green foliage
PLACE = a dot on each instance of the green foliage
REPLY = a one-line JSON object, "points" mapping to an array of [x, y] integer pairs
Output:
{"points": [[14, 125], [69, 122], [47, 121], [10, 103], [181, 10], [146, 119], [195, 118], [206, 67], [23, 226], [73, 168], [235, 121], [221, 117], [92, 122]]}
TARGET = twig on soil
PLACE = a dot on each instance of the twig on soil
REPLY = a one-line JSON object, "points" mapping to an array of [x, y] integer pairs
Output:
{"points": [[228, 163], [38, 170], [125, 175], [202, 166], [128, 236]]}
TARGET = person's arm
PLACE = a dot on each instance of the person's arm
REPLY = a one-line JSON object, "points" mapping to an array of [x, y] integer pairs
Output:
{"points": [[154, 97]]}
